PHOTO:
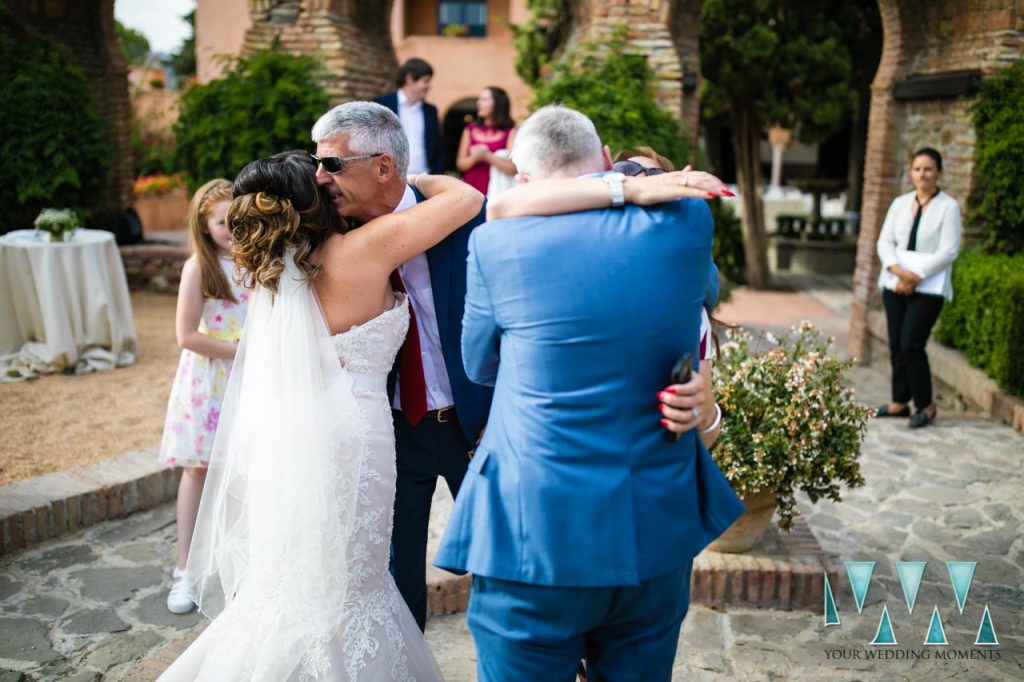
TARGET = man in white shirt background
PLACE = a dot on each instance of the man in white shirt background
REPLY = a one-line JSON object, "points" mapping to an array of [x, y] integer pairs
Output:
{"points": [[419, 118]]}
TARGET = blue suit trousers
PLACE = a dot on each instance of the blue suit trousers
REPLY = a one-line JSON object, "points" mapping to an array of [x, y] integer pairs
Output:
{"points": [[538, 632]]}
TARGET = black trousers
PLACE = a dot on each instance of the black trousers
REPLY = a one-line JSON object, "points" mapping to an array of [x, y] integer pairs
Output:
{"points": [[910, 319], [425, 452]]}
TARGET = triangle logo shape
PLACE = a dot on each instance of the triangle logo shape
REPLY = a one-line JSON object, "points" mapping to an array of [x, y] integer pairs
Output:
{"points": [[936, 633], [910, 573], [961, 574], [831, 613], [859, 573], [986, 631], [884, 636]]}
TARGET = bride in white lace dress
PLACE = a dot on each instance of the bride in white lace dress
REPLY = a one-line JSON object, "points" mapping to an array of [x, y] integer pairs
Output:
{"points": [[292, 541]]}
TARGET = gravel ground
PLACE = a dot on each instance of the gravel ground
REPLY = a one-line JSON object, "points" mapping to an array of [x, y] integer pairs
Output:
{"points": [[61, 421]]}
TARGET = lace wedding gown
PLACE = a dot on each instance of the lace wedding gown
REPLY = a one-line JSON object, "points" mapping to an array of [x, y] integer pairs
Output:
{"points": [[292, 542]]}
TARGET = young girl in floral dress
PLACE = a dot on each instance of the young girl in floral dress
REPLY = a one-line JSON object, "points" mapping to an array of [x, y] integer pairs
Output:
{"points": [[210, 316]]}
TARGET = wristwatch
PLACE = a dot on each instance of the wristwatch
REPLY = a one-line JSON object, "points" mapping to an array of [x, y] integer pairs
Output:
{"points": [[615, 181]]}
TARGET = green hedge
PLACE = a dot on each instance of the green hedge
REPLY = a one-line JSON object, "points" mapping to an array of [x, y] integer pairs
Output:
{"points": [[999, 161], [266, 103], [986, 317], [53, 143]]}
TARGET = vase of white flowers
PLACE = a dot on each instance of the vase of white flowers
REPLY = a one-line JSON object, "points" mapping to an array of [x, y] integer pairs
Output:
{"points": [[58, 224], [790, 423]]}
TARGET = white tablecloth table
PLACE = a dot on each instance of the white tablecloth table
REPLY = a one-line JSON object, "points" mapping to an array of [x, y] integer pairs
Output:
{"points": [[64, 306]]}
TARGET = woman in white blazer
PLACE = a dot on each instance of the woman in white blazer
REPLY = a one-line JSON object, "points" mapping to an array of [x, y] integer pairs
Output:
{"points": [[919, 241]]}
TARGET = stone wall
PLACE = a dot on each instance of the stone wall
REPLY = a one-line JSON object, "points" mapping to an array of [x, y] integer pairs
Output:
{"points": [[921, 38], [87, 28], [350, 40], [653, 29]]}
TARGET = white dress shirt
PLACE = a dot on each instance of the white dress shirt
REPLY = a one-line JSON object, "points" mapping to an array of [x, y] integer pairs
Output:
{"points": [[415, 275], [411, 116], [938, 236]]}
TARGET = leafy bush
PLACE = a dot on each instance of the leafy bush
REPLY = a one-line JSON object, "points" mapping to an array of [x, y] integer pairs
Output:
{"points": [[152, 150], [999, 161], [614, 89], [728, 247], [985, 319], [789, 419], [53, 142], [264, 104], [538, 37]]}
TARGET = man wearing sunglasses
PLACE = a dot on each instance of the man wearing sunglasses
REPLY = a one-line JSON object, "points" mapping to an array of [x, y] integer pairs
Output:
{"points": [[362, 155]]}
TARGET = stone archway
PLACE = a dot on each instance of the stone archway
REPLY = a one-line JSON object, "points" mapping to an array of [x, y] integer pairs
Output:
{"points": [[931, 55]]}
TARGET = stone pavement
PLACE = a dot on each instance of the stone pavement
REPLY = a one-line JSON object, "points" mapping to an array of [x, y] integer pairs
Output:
{"points": [[91, 606]]}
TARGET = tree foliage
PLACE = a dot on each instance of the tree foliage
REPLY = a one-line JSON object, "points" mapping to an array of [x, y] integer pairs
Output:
{"points": [[53, 142], [133, 43], [999, 161], [263, 104], [782, 62], [614, 89], [539, 37], [785, 60]]}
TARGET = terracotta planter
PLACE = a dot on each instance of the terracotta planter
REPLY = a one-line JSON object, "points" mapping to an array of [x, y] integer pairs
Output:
{"points": [[749, 529], [163, 212]]}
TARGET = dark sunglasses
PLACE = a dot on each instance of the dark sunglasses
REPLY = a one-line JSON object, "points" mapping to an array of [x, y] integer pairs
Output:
{"points": [[336, 164], [634, 168]]}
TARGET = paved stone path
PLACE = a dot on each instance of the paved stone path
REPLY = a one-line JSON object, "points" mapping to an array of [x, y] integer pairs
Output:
{"points": [[90, 607]]}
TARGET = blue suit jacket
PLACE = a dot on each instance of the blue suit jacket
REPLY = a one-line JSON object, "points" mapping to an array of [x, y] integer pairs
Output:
{"points": [[447, 264], [431, 133], [577, 320]]}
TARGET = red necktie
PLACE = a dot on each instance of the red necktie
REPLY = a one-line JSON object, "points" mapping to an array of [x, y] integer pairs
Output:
{"points": [[412, 386]]}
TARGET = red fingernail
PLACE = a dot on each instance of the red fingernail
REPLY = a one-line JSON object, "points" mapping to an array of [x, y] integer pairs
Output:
{"points": [[662, 407], [661, 395], [670, 390], [664, 422], [726, 192], [711, 195]]}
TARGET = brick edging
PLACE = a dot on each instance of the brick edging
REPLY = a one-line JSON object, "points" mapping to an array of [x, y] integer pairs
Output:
{"points": [[952, 368], [46, 507]]}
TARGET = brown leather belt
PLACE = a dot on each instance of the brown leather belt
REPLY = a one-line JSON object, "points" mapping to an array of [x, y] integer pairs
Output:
{"points": [[441, 416]]}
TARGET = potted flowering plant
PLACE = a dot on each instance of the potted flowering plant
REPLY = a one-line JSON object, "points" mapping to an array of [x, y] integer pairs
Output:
{"points": [[790, 422], [161, 202], [59, 224]]}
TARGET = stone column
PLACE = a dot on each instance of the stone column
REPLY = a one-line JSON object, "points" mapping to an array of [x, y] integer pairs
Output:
{"points": [[351, 41], [881, 175]]}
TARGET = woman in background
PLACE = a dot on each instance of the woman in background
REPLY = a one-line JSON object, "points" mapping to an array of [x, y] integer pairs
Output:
{"points": [[490, 133], [920, 239]]}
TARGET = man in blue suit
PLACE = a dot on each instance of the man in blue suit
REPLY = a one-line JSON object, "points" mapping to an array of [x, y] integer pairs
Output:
{"points": [[419, 118], [578, 518], [364, 154]]}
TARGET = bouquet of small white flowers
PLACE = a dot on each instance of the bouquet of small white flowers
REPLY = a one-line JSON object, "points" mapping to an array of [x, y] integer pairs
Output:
{"points": [[790, 421], [60, 224]]}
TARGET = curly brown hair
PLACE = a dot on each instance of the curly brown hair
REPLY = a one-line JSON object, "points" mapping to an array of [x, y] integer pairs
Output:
{"points": [[278, 206]]}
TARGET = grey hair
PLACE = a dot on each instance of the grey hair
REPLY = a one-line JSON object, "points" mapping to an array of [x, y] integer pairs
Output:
{"points": [[371, 128], [557, 141]]}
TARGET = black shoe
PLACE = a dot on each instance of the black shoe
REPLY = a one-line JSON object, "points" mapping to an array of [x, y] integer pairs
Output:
{"points": [[921, 418], [883, 411]]}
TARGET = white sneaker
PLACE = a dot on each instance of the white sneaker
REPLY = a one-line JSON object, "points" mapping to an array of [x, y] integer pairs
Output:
{"points": [[182, 597]]}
